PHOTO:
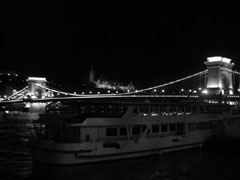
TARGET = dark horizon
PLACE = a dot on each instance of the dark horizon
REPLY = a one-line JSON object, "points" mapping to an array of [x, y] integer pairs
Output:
{"points": [[146, 43]]}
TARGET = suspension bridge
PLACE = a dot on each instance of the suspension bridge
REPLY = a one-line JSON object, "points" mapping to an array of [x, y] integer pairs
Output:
{"points": [[219, 79]]}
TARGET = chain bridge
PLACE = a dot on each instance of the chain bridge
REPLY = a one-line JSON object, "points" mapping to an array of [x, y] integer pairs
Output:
{"points": [[218, 80]]}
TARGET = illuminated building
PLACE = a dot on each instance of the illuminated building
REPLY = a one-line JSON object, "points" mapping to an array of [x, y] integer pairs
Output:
{"points": [[106, 84]]}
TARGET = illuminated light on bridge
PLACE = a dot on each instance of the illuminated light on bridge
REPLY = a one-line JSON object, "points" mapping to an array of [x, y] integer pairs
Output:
{"points": [[205, 91], [37, 79], [219, 59]]}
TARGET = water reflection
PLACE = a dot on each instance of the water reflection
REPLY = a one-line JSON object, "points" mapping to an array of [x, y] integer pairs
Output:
{"points": [[176, 165]]}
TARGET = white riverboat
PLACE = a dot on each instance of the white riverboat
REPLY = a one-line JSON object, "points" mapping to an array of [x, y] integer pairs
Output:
{"points": [[85, 132]]}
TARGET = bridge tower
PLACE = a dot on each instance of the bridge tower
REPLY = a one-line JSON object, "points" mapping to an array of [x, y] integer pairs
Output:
{"points": [[35, 91], [219, 78]]}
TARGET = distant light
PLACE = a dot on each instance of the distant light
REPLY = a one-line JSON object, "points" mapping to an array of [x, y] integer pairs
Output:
{"points": [[163, 91], [16, 74], [108, 91], [194, 91], [117, 92], [205, 91], [74, 92], [190, 90], [182, 90], [128, 90], [6, 111], [238, 90], [90, 92], [199, 89], [98, 92], [82, 92], [155, 90], [9, 74]]}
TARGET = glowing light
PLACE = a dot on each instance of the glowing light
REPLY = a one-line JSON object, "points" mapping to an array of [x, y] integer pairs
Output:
{"points": [[199, 89], [163, 91], [205, 91], [98, 92], [190, 90], [194, 91], [108, 91], [219, 59], [90, 92], [82, 92], [155, 90], [36, 79], [182, 90]]}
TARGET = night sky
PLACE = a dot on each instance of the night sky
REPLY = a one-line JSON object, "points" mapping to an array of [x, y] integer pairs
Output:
{"points": [[148, 43]]}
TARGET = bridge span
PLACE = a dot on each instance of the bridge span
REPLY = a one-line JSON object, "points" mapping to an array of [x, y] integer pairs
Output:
{"points": [[219, 82]]}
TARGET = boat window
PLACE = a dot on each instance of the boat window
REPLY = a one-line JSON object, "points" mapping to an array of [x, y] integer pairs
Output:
{"points": [[155, 128], [136, 130], [202, 109], [172, 111], [111, 131], [106, 110], [164, 110], [144, 110], [172, 127], [144, 128], [191, 126], [154, 111], [164, 128], [123, 131], [63, 134], [213, 125]]}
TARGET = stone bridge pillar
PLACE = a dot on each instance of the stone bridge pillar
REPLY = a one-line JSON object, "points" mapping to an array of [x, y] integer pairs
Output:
{"points": [[219, 78], [35, 91]]}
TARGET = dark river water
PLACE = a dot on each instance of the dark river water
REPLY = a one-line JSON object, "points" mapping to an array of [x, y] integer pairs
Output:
{"points": [[16, 162]]}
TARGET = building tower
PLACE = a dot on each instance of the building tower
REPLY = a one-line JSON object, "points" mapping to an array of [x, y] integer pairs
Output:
{"points": [[34, 90], [219, 78]]}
